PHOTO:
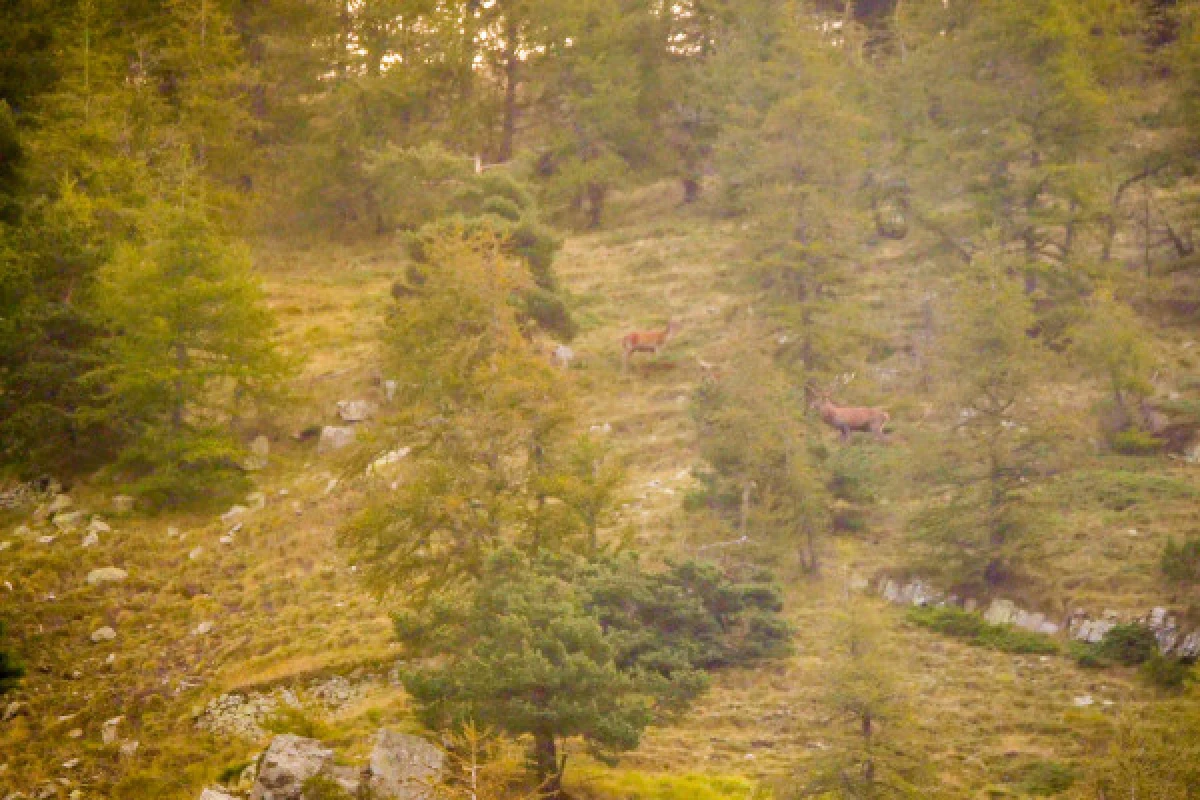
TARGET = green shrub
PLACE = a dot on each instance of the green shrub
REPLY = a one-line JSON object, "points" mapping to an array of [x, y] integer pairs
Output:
{"points": [[1045, 778], [295, 721], [549, 311], [1134, 442], [1128, 645], [323, 787], [1165, 672], [501, 207], [538, 244], [979, 632], [1181, 562]]}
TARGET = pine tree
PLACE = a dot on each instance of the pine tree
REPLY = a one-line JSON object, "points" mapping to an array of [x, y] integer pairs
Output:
{"points": [[191, 342], [978, 530]]}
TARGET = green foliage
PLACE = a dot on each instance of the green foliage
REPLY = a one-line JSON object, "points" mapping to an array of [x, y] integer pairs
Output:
{"points": [[1166, 673], [11, 670], [1153, 752], [977, 631], [566, 647], [296, 721], [1134, 442], [1128, 645], [549, 312], [191, 349], [591, 783], [1181, 562], [1045, 778]]}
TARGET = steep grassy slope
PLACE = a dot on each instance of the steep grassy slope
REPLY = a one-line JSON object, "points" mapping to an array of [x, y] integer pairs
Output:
{"points": [[287, 611]]}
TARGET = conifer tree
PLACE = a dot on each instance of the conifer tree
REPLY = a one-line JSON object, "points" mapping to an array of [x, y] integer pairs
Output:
{"points": [[190, 343]]}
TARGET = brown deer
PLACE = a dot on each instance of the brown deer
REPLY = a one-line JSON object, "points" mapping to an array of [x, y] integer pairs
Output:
{"points": [[849, 418], [647, 341]]}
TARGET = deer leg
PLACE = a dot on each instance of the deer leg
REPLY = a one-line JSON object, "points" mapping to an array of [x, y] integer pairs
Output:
{"points": [[845, 431]]}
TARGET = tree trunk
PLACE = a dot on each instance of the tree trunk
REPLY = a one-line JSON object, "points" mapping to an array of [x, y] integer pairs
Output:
{"points": [[511, 62], [547, 766]]}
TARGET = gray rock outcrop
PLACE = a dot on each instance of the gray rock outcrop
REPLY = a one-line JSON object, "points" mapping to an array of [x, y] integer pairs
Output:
{"points": [[106, 575], [404, 767], [289, 762], [354, 410], [215, 794], [334, 438]]}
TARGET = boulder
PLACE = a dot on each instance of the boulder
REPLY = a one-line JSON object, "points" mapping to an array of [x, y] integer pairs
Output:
{"points": [[334, 438], [354, 410], [257, 501], [91, 540], [404, 767], [68, 520], [108, 731], [215, 794], [260, 451], [106, 575], [289, 761], [233, 514], [1001, 612], [122, 504], [195, 553], [61, 502], [98, 525], [203, 629], [105, 634]]}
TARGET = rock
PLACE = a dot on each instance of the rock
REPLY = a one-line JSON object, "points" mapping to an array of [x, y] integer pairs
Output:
{"points": [[389, 390], [215, 794], [289, 761], [105, 634], [602, 430], [387, 459], [203, 629], [71, 764], [68, 520], [404, 767], [46, 539], [172, 532], [334, 438], [226, 539], [61, 502], [12, 710], [122, 504], [75, 733], [259, 455], [349, 779], [233, 514], [1083, 701], [106, 575], [257, 501], [195, 553], [91, 540], [563, 356], [108, 731], [128, 748], [354, 410], [98, 525], [1001, 612]]}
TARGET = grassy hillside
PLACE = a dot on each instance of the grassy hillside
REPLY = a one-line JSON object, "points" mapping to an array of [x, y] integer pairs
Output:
{"points": [[287, 611]]}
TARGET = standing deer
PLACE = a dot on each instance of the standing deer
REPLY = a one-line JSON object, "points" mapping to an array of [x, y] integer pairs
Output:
{"points": [[647, 341], [849, 418]]}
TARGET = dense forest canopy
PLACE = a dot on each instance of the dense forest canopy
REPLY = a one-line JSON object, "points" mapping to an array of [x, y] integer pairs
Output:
{"points": [[978, 218]]}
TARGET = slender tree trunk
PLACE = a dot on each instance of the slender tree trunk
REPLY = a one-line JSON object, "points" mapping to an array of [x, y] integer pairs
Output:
{"points": [[546, 764], [511, 65]]}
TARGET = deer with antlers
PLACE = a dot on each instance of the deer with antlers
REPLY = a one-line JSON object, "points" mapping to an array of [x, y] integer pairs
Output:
{"points": [[848, 418], [647, 341]]}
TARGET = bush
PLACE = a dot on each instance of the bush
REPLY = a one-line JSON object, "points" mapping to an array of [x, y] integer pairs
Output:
{"points": [[981, 633], [549, 312], [1128, 645], [1045, 778], [1181, 562], [1134, 442], [501, 207], [1164, 672]]}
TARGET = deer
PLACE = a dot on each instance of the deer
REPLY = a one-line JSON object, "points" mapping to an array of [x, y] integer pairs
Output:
{"points": [[849, 418], [647, 341]]}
